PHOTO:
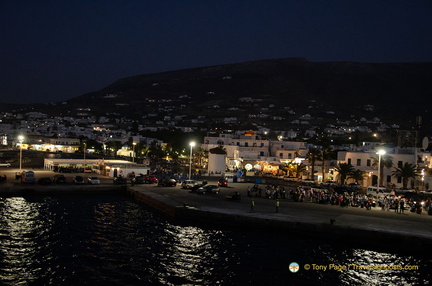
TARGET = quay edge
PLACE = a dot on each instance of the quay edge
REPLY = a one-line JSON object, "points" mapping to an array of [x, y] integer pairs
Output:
{"points": [[361, 235]]}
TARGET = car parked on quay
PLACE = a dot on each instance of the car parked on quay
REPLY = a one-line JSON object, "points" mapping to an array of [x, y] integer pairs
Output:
{"points": [[150, 179], [290, 179], [196, 187], [120, 181], [223, 182], [188, 184], [78, 180], [167, 183], [59, 179], [327, 184], [45, 181], [208, 189], [140, 179], [93, 180], [307, 182]]}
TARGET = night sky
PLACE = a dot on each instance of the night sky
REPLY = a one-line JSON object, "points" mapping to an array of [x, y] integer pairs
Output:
{"points": [[55, 50]]}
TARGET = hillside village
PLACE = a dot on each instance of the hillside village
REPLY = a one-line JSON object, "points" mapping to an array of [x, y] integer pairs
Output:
{"points": [[257, 136]]}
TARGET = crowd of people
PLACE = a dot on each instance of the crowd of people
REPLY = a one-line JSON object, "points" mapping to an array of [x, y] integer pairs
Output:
{"points": [[399, 204]]}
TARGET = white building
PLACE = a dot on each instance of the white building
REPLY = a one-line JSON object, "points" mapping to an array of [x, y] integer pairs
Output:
{"points": [[364, 160]]}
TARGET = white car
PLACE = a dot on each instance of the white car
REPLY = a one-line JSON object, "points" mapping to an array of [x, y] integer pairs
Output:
{"points": [[93, 181], [5, 165], [188, 184]]}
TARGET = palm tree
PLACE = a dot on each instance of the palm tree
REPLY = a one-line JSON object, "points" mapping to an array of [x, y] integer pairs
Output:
{"points": [[357, 175], [313, 155], [406, 171], [113, 146], [298, 169], [326, 154], [386, 161], [344, 170], [201, 155]]}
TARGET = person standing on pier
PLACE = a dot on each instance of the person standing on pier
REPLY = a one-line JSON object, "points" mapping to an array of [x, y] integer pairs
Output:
{"points": [[277, 206], [252, 206]]}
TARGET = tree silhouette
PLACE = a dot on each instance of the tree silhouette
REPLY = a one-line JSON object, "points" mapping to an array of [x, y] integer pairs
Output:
{"points": [[344, 170], [406, 171]]}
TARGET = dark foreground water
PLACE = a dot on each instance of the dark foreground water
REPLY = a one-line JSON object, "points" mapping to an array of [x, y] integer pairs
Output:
{"points": [[111, 239]]}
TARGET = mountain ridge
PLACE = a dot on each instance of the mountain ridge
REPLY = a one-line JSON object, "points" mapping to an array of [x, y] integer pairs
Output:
{"points": [[395, 89]]}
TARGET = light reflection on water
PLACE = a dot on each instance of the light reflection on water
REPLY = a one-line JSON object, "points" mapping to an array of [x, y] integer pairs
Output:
{"points": [[113, 240]]}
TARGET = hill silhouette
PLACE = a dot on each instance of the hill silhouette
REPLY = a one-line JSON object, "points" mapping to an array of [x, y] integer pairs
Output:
{"points": [[391, 87], [397, 90]]}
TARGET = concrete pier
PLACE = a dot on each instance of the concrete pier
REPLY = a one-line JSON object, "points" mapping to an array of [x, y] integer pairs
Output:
{"points": [[374, 228]]}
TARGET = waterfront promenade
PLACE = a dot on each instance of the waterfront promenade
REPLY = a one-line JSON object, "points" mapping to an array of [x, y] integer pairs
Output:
{"points": [[376, 228], [351, 225]]}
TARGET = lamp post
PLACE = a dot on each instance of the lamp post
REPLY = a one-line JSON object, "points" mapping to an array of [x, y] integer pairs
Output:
{"points": [[380, 153], [133, 155], [84, 151], [20, 140], [192, 144]]}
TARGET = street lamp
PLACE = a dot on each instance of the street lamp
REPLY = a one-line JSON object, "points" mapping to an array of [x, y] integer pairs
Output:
{"points": [[84, 151], [20, 140], [192, 144], [380, 153], [133, 155]]}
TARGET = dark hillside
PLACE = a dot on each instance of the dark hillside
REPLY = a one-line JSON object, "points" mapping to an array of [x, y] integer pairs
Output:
{"points": [[397, 90]]}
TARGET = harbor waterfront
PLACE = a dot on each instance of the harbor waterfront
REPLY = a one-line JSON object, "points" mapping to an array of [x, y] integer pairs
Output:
{"points": [[376, 228], [257, 247]]}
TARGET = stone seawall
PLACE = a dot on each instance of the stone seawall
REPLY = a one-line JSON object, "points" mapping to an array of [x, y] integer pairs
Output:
{"points": [[351, 235], [359, 235]]}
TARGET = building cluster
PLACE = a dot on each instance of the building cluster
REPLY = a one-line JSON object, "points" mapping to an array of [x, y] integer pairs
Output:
{"points": [[66, 134], [255, 154], [244, 149]]}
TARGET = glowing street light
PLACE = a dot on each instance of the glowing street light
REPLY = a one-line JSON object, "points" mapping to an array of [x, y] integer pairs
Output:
{"points": [[20, 140], [192, 144], [380, 153], [133, 155]]}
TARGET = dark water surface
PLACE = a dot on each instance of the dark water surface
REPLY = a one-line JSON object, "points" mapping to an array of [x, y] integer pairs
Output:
{"points": [[111, 239]]}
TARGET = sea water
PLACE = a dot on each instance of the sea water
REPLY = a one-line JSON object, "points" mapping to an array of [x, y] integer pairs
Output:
{"points": [[111, 239]]}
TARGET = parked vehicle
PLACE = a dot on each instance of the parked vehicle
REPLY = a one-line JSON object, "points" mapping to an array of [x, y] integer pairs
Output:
{"points": [[78, 180], [28, 177], [140, 179], [168, 183], [5, 165], [290, 179], [59, 179], [188, 184], [120, 181], [329, 184], [151, 179], [378, 192], [307, 182], [354, 186], [196, 187], [235, 196], [93, 181], [208, 189], [401, 191], [223, 182], [45, 181]]}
